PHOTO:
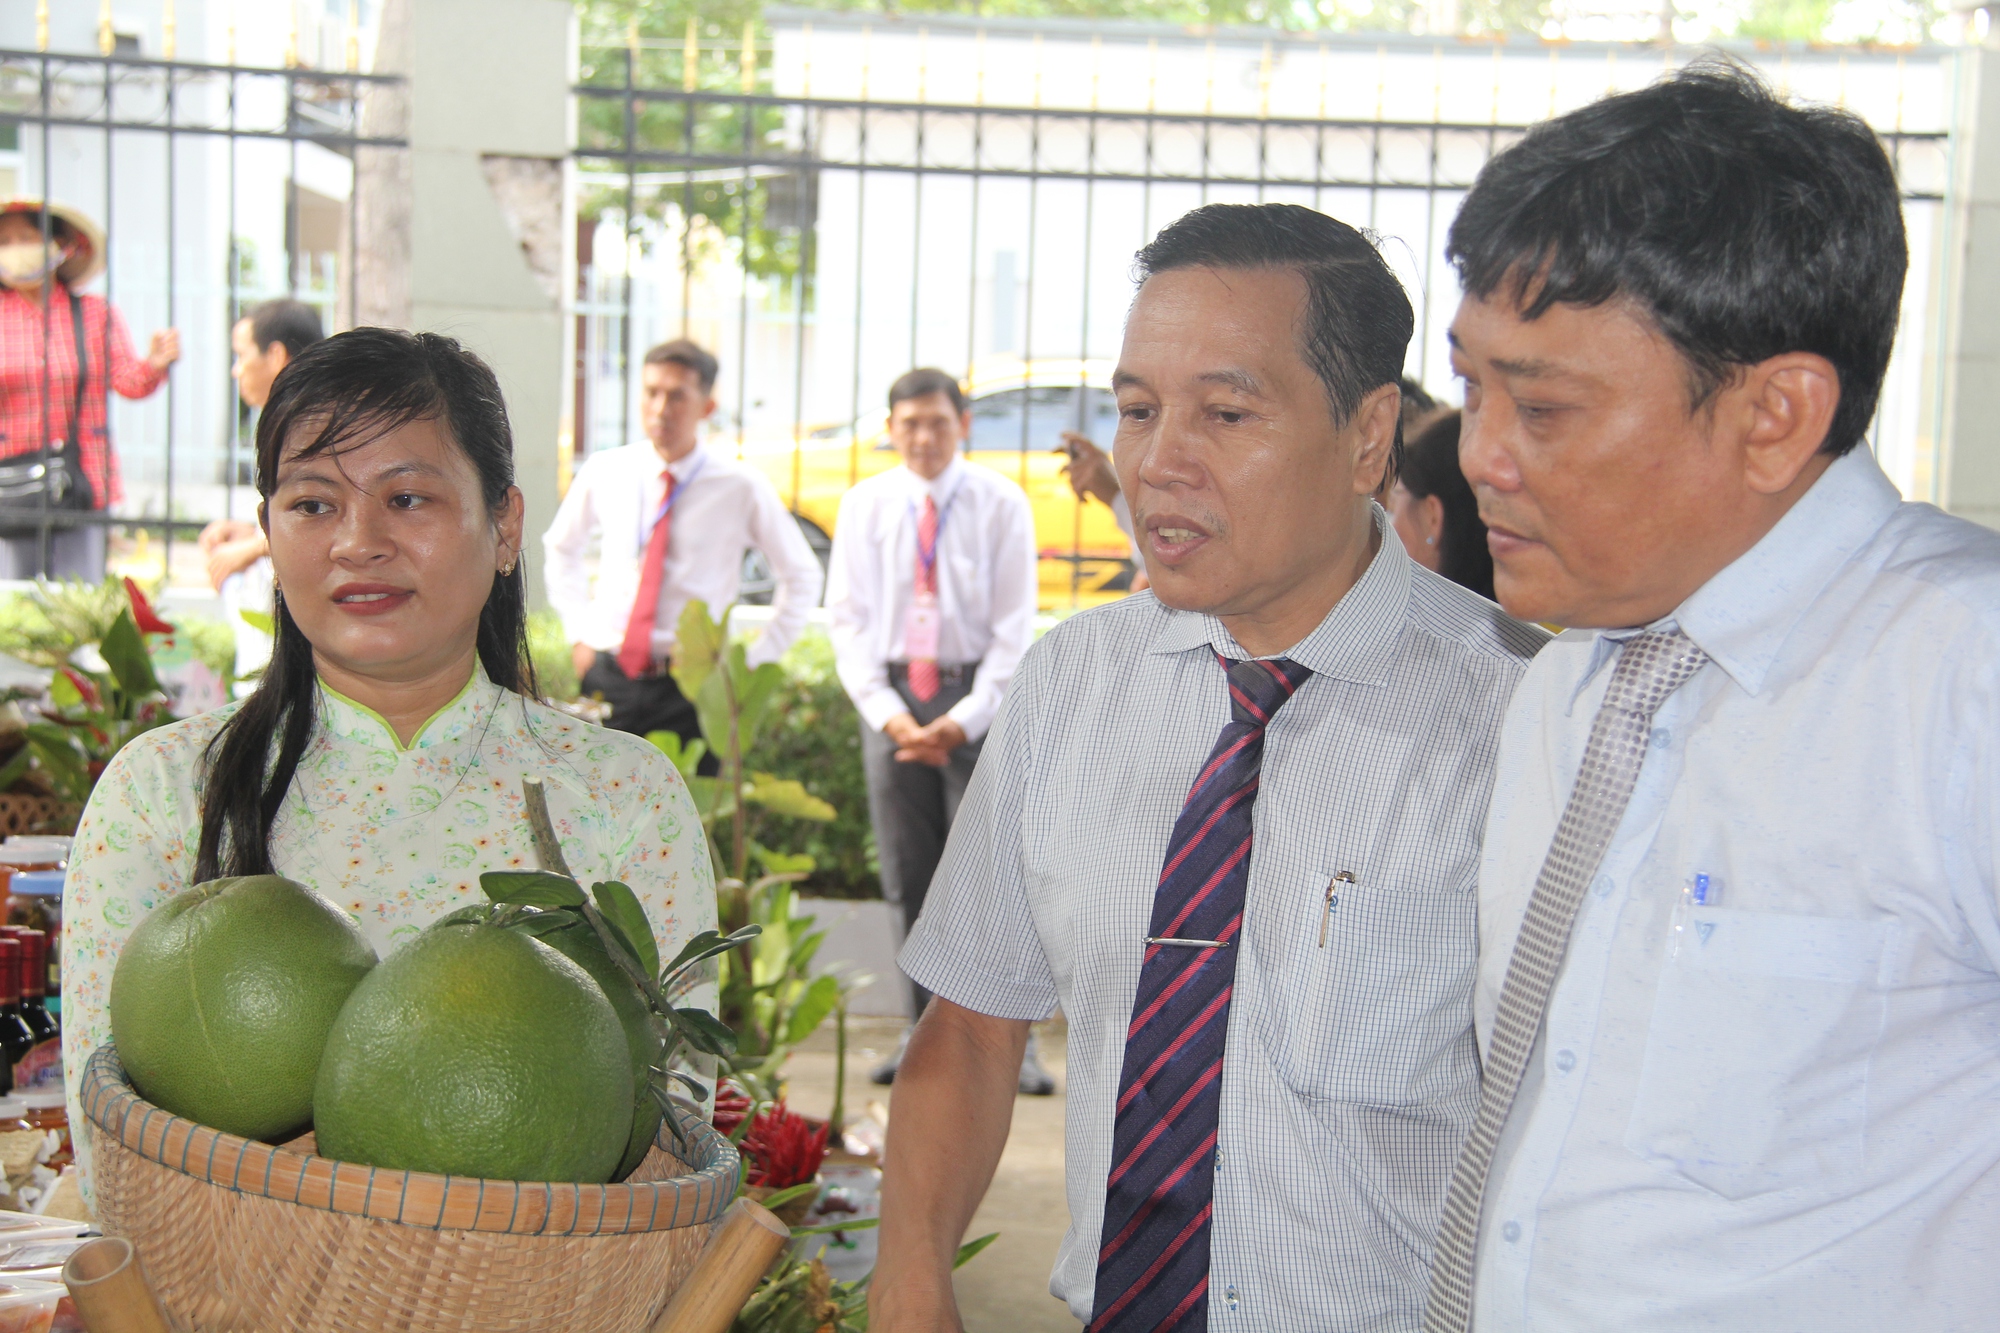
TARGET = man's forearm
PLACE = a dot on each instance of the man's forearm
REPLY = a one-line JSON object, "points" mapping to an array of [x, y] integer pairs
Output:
{"points": [[948, 1122]]}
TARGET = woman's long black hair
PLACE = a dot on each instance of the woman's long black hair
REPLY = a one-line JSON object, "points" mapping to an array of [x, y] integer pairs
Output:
{"points": [[342, 393], [1430, 467]]}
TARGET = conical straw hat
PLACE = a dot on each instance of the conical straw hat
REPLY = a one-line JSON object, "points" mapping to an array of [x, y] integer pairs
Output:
{"points": [[86, 257]]}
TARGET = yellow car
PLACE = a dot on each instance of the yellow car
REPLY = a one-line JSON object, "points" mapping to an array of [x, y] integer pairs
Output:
{"points": [[1018, 417]]}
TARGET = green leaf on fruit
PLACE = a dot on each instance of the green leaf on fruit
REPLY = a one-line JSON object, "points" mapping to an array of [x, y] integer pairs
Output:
{"points": [[707, 945], [622, 912], [532, 888], [703, 1032], [545, 922]]}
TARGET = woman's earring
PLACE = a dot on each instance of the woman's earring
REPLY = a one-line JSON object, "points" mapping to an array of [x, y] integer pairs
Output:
{"points": [[1430, 541]]}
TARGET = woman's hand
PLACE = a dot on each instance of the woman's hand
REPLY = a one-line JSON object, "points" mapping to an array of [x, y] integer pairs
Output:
{"points": [[163, 350]]}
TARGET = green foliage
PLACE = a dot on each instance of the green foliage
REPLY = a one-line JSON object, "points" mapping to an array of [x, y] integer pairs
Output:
{"points": [[1785, 20], [800, 1296], [816, 732], [548, 649]]}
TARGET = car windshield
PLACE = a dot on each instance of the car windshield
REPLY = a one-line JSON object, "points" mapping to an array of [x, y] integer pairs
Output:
{"points": [[997, 418]]}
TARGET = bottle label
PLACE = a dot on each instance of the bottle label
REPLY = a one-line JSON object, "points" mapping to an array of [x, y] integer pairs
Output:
{"points": [[40, 1070]]}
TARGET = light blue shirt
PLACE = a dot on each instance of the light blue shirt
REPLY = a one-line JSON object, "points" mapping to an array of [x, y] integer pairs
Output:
{"points": [[1784, 1115]]}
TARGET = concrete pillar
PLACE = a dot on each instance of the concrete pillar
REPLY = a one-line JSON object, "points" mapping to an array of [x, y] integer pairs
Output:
{"points": [[470, 233], [1964, 339]]}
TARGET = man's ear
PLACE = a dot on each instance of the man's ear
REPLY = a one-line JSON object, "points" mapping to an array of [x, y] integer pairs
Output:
{"points": [[1784, 408], [708, 408], [279, 356], [1375, 434]]}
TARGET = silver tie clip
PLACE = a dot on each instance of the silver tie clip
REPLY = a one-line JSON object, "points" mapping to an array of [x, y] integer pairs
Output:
{"points": [[1187, 944]]}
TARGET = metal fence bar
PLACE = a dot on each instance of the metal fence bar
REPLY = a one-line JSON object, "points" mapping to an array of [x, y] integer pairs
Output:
{"points": [[51, 93]]}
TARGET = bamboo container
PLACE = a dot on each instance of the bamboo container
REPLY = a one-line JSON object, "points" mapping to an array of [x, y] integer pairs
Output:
{"points": [[737, 1256], [110, 1291]]}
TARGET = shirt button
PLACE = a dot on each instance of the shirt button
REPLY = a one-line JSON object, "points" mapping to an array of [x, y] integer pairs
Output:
{"points": [[1565, 1060], [1603, 886], [1511, 1232], [1229, 1298], [1662, 737]]}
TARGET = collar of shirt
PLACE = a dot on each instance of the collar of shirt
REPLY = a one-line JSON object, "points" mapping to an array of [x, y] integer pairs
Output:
{"points": [[1742, 616], [941, 487], [1357, 641], [364, 726], [682, 468]]}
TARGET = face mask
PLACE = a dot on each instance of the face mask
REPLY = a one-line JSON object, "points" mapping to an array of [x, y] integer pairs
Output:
{"points": [[26, 263]]}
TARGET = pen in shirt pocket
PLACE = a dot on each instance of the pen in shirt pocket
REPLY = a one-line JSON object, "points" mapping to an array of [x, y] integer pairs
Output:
{"points": [[1334, 886], [1700, 889]]}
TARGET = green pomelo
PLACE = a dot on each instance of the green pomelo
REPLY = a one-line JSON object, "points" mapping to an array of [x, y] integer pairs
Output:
{"points": [[581, 945], [477, 1051], [223, 997]]}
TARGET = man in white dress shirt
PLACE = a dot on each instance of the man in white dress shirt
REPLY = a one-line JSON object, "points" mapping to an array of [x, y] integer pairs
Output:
{"points": [[932, 596], [1232, 827], [1739, 984], [673, 521]]}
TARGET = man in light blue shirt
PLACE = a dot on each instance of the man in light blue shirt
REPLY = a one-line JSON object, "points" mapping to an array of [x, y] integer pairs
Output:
{"points": [[1739, 990]]}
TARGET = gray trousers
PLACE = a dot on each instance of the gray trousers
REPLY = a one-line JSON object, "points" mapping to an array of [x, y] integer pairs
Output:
{"points": [[912, 806], [74, 553]]}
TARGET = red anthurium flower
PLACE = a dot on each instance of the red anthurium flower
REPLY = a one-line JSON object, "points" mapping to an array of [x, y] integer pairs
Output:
{"points": [[784, 1148], [142, 612], [85, 686]]}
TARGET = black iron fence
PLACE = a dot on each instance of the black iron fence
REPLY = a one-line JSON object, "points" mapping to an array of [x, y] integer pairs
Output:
{"points": [[219, 186], [821, 246]]}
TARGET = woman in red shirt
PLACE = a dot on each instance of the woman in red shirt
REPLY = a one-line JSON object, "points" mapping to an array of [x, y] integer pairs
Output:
{"points": [[40, 405]]}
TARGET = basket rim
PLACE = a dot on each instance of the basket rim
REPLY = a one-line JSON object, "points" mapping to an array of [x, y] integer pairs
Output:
{"points": [[412, 1198]]}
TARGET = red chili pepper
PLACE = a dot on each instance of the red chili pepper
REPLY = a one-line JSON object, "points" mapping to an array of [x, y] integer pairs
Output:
{"points": [[784, 1147], [142, 612]]}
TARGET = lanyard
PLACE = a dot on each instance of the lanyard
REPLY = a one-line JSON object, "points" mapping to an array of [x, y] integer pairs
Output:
{"points": [[944, 512], [674, 494]]}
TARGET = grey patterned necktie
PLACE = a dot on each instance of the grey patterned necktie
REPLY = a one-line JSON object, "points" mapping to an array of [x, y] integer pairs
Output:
{"points": [[1650, 667]]}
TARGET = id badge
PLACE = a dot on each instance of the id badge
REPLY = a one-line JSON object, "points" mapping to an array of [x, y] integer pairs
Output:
{"points": [[920, 630]]}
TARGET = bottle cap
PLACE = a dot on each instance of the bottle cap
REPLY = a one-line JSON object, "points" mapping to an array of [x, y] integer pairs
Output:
{"points": [[12, 1108], [12, 854], [42, 1101]]}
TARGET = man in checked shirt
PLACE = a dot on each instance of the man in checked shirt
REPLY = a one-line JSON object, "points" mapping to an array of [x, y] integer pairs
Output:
{"points": [[1232, 827]]}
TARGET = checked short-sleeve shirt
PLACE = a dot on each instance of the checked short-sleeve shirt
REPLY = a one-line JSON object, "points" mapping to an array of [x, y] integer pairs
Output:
{"points": [[1350, 1076]]}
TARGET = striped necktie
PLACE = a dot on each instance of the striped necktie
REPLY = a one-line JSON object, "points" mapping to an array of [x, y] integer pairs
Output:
{"points": [[1650, 667], [1152, 1265]]}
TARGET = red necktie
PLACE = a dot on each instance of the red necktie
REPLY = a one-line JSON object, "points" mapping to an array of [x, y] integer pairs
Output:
{"points": [[924, 670], [635, 654]]}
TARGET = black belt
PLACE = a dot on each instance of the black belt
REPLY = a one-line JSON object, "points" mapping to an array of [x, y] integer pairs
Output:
{"points": [[951, 675]]}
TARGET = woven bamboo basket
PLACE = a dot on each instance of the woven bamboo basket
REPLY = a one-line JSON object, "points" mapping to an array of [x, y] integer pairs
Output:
{"points": [[239, 1236]]}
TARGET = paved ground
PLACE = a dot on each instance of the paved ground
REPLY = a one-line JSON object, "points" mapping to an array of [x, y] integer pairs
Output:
{"points": [[1006, 1289]]}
